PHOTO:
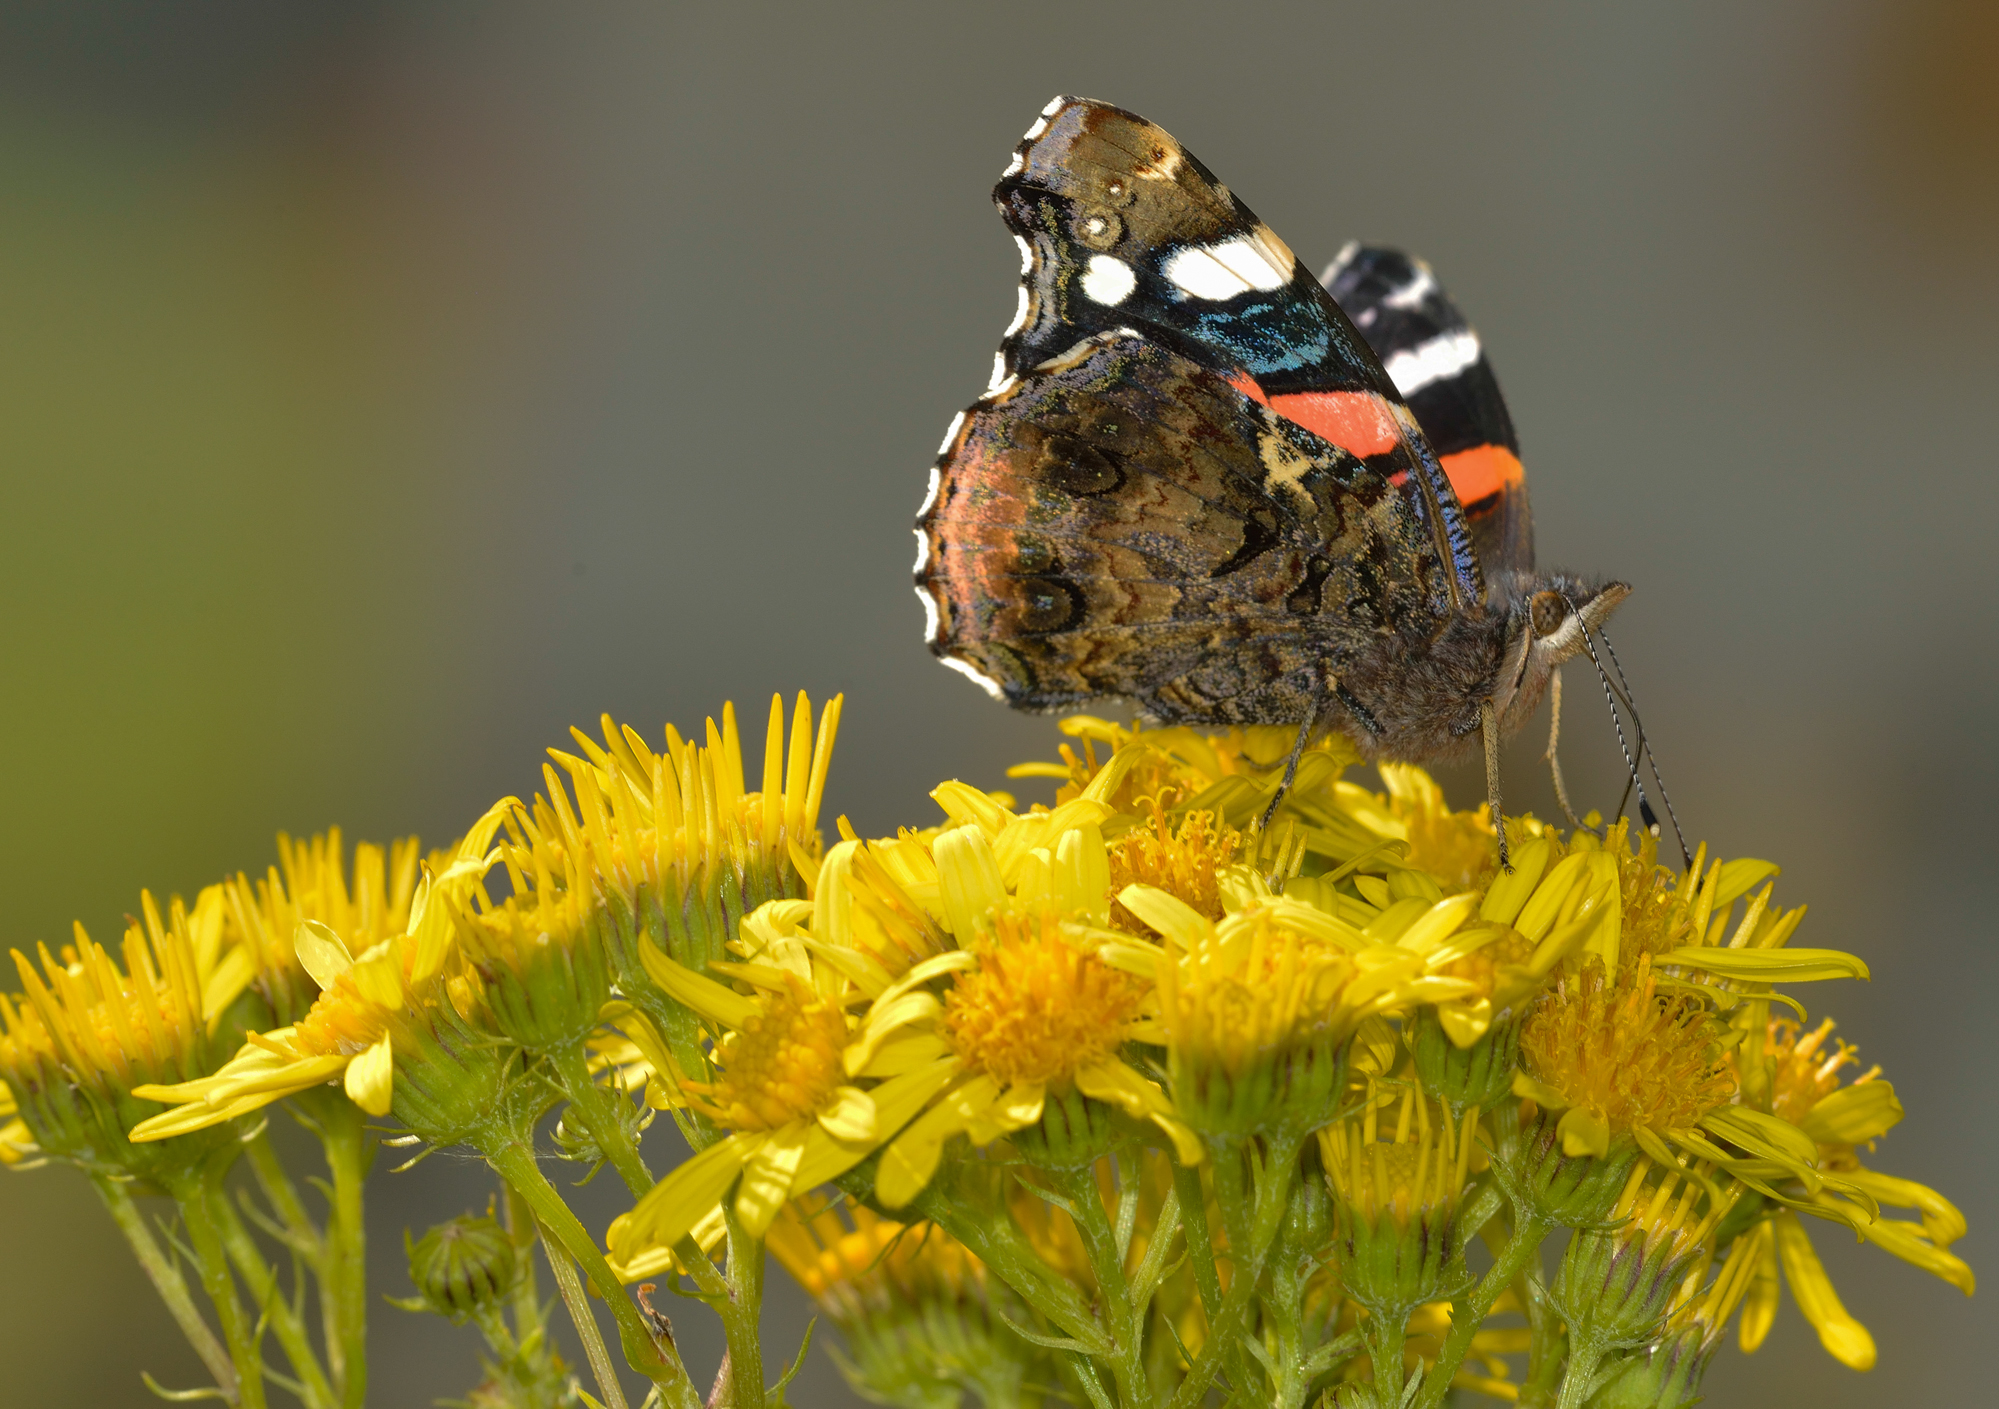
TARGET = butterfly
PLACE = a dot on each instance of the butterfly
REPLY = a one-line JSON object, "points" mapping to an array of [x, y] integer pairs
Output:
{"points": [[1207, 483]]}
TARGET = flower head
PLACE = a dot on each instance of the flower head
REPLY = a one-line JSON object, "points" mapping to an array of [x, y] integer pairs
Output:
{"points": [[346, 1033], [1621, 1057], [364, 905], [88, 1033], [1398, 1197]]}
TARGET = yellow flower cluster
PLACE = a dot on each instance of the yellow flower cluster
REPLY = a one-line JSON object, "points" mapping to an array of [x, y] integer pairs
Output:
{"points": [[1099, 1094]]}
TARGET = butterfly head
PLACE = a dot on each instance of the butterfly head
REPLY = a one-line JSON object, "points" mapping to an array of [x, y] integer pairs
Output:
{"points": [[1549, 616]]}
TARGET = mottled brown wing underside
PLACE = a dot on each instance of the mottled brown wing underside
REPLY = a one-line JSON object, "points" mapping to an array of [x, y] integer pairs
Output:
{"points": [[1125, 523]]}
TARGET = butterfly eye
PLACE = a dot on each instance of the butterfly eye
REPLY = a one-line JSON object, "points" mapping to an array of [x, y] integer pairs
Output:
{"points": [[1550, 610]]}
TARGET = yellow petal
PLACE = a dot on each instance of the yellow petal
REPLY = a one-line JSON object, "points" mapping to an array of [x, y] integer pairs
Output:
{"points": [[970, 877], [906, 1051], [1739, 877], [321, 952], [1510, 893], [911, 1158], [1844, 1338], [705, 996], [885, 1020], [1853, 1115], [1173, 917], [1539, 1092], [1018, 1106], [371, 1079], [769, 1176], [672, 1207], [895, 1102], [851, 1116], [1537, 916], [1083, 874], [1583, 1134], [378, 975], [1465, 1023], [1942, 1223], [1906, 1241], [1766, 1136], [1759, 1303], [1768, 965], [966, 805]]}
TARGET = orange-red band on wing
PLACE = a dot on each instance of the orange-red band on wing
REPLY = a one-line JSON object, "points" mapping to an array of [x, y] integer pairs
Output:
{"points": [[1357, 421], [1482, 471]]}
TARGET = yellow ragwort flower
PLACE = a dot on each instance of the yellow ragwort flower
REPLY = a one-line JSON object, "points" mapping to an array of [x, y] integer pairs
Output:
{"points": [[345, 1034]]}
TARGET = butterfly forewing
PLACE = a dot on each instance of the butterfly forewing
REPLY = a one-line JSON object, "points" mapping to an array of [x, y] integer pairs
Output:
{"points": [[1122, 227]]}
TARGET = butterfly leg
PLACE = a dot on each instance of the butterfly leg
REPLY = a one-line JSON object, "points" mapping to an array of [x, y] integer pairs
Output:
{"points": [[1290, 770], [1488, 719], [1552, 758]]}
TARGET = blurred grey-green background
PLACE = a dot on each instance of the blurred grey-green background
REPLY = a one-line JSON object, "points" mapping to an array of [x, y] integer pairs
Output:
{"points": [[385, 388]]}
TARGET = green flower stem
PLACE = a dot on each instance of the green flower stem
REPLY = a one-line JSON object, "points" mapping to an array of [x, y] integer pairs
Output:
{"points": [[1194, 1211], [999, 1243], [192, 1194], [276, 1310], [578, 1303], [513, 1159], [520, 1226], [1266, 1213], [1385, 1341], [350, 1150], [591, 1104], [742, 1311], [1122, 1317], [302, 1235], [171, 1286], [1584, 1357], [1468, 1312]]}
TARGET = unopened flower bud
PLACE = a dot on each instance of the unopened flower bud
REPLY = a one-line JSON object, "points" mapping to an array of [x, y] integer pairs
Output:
{"points": [[461, 1266]]}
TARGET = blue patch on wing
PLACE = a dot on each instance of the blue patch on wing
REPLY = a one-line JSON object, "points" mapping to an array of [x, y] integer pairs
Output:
{"points": [[1268, 337]]}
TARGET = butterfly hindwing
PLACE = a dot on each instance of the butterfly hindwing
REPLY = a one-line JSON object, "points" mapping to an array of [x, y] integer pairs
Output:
{"points": [[1126, 523], [1121, 227], [1437, 363]]}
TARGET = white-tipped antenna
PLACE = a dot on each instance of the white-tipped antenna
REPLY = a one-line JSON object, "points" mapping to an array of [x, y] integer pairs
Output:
{"points": [[1619, 693]]}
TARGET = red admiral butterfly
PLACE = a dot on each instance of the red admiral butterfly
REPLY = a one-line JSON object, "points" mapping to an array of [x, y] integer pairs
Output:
{"points": [[1207, 483]]}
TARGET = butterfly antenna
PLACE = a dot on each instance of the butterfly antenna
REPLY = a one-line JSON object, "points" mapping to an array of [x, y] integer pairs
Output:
{"points": [[1645, 749], [1615, 694]]}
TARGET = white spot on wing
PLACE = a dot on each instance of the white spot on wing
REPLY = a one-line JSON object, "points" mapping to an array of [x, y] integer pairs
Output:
{"points": [[971, 673], [1412, 294], [1108, 280], [1437, 360], [1013, 167], [997, 382], [1019, 314], [1196, 272], [1040, 126], [922, 552], [1026, 254], [936, 482], [1219, 271], [950, 434], [1054, 105], [932, 623], [1254, 262]]}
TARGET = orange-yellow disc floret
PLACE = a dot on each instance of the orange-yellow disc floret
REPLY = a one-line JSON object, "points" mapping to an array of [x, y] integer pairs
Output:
{"points": [[1626, 1053], [782, 1065], [1183, 861], [1037, 1009]]}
